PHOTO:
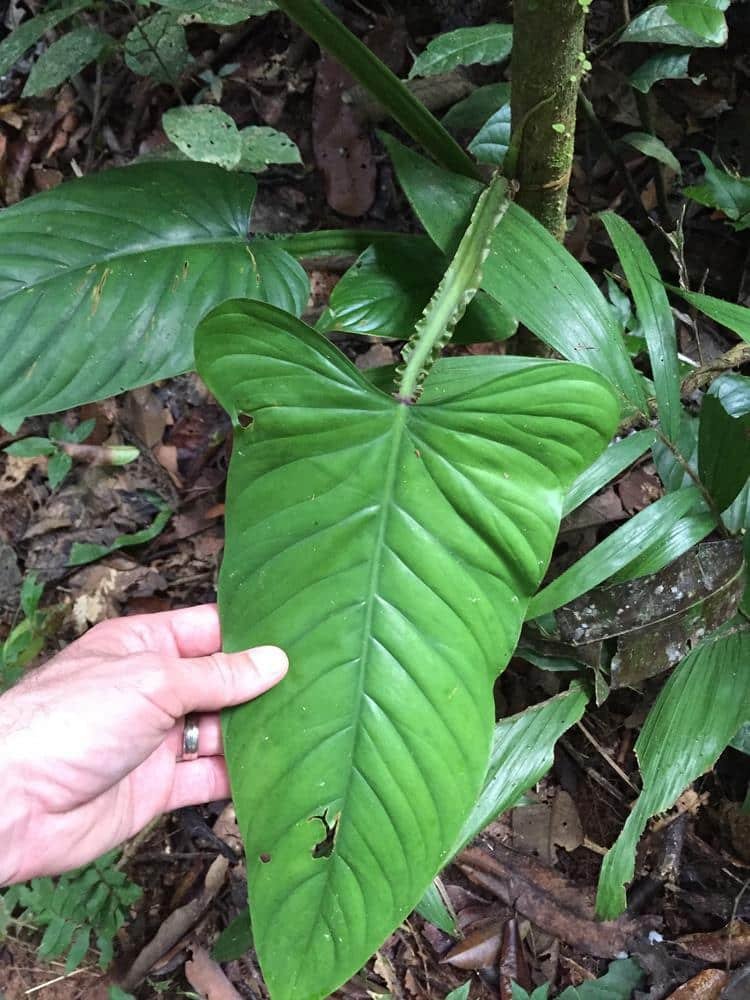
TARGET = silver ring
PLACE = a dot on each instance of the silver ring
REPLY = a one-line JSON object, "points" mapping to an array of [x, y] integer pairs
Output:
{"points": [[190, 738]]}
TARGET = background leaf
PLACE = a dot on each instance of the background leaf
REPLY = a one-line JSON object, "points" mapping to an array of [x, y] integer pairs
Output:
{"points": [[157, 47], [473, 111], [669, 65], [490, 43], [491, 143], [82, 553], [219, 11], [723, 451], [64, 58], [262, 146], [697, 713], [731, 315], [652, 146], [32, 29], [610, 463], [204, 132], [116, 270], [396, 632], [658, 25], [723, 190]]}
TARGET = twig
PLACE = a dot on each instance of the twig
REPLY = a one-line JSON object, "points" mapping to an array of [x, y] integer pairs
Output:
{"points": [[57, 979], [607, 757], [702, 377]]}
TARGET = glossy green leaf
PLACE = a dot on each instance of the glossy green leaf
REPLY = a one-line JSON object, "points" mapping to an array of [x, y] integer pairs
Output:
{"points": [[204, 132], [731, 315], [522, 752], [723, 451], [492, 141], [235, 940], [672, 64], [391, 550], [157, 47], [82, 553], [611, 463], [31, 30], [703, 17], [387, 289], [659, 25], [67, 56], [651, 145], [262, 146], [103, 280], [433, 907], [655, 315], [473, 111], [533, 277], [697, 713], [734, 392], [724, 191], [689, 530], [616, 551], [218, 11], [487, 44]]}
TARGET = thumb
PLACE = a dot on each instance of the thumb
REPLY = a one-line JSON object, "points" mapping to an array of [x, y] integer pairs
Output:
{"points": [[209, 683]]}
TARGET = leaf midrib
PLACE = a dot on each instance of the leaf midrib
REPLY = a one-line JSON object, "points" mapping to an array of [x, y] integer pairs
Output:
{"points": [[389, 482], [105, 259]]}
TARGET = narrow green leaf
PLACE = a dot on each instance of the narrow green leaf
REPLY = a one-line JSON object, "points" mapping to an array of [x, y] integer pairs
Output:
{"points": [[432, 907], [689, 530], [611, 463], [392, 546], [724, 191], [492, 141], [655, 315], [528, 272], [157, 47], [204, 132], [697, 713], [78, 949], [473, 111], [30, 447], [616, 551], [262, 146], [235, 940], [58, 466], [671, 64], [86, 552], [116, 270], [522, 753], [651, 145], [723, 451], [490, 43], [64, 58], [323, 26], [731, 315], [31, 30]]}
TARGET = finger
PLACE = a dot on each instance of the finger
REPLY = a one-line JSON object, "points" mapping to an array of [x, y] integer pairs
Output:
{"points": [[210, 683], [210, 742], [184, 632], [198, 781]]}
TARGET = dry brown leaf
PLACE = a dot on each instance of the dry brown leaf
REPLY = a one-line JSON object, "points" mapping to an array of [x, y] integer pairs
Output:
{"points": [[17, 469], [707, 985], [730, 944], [208, 978], [478, 950], [513, 965]]}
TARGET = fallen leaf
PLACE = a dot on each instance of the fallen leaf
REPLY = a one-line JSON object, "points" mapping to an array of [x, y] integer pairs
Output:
{"points": [[513, 965], [707, 985], [478, 950], [729, 945], [208, 977]]}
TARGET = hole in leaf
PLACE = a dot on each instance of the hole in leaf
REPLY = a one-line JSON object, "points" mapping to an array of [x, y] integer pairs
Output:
{"points": [[324, 848], [245, 420], [264, 858]]}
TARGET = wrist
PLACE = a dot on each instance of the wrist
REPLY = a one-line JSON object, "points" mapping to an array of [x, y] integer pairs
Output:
{"points": [[13, 804]]}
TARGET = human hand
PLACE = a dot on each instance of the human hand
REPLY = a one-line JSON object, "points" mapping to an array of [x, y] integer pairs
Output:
{"points": [[89, 743]]}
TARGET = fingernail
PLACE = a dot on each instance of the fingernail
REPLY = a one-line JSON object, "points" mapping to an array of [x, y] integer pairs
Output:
{"points": [[270, 660]]}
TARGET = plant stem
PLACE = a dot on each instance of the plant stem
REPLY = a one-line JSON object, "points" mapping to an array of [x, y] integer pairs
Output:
{"points": [[546, 67], [689, 471], [314, 18]]}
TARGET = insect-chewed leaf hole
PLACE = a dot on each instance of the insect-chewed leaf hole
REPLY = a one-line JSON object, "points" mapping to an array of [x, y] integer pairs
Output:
{"points": [[324, 848], [245, 420]]}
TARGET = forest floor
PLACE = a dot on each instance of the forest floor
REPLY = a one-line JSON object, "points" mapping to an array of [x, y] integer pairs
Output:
{"points": [[694, 863]]}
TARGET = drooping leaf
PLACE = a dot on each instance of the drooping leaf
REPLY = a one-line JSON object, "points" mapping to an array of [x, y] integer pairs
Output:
{"points": [[611, 463], [205, 133], [262, 146], [723, 451], [490, 43], [672, 64], [65, 57], [533, 277], [687, 532], [387, 289], [655, 315], [473, 111], [82, 553], [703, 17], [235, 940], [651, 145], [659, 25], [103, 280], [393, 551], [731, 315], [724, 191], [432, 907], [31, 30], [157, 47], [617, 550], [30, 447], [492, 141], [697, 713], [522, 753]]}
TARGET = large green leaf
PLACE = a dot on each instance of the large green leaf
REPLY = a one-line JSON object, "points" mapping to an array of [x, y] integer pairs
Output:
{"points": [[672, 64], [609, 464], [64, 58], [487, 44], [730, 314], [24, 36], [103, 280], [532, 276], [693, 25], [723, 451], [655, 315], [392, 550], [697, 713]]}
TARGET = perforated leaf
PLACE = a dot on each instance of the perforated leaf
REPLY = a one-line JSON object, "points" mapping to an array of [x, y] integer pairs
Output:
{"points": [[65, 57], [392, 550], [103, 280]]}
